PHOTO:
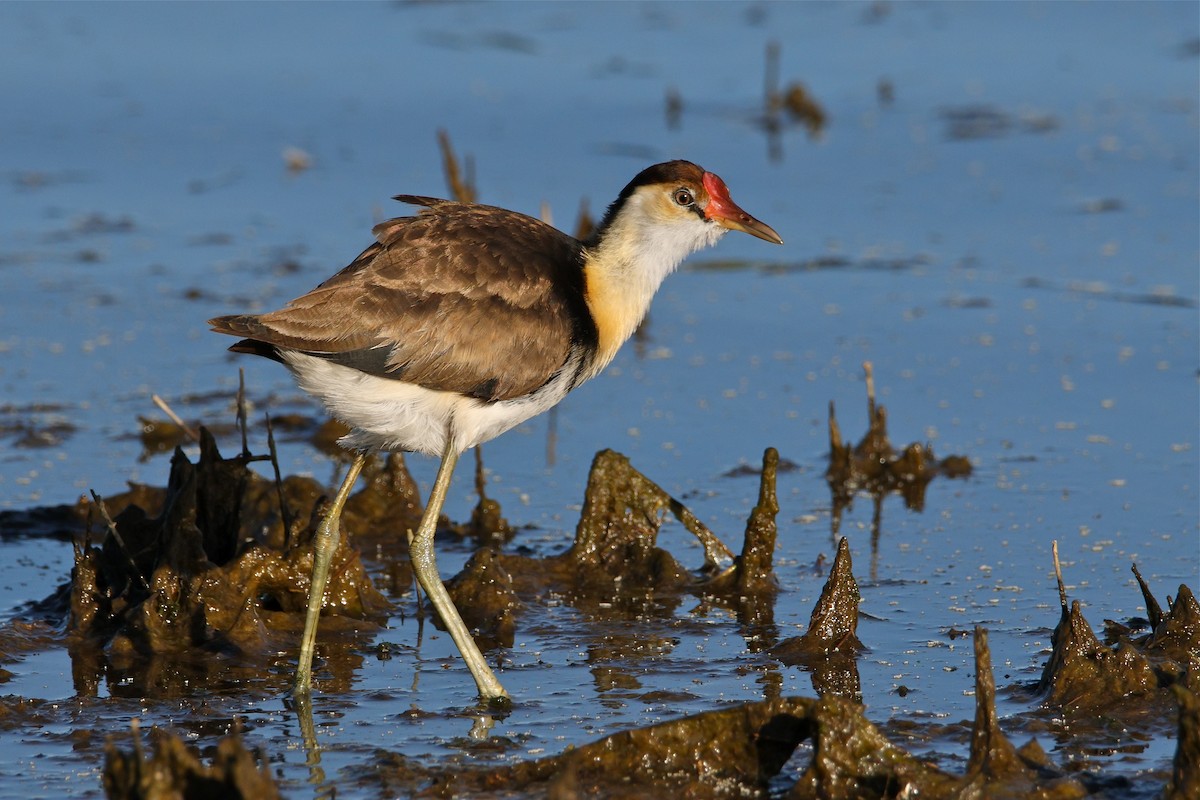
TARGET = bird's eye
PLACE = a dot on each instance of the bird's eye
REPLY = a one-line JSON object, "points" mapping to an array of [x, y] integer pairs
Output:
{"points": [[683, 197]]}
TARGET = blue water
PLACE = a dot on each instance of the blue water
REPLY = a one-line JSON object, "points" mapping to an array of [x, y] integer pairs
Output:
{"points": [[1008, 316]]}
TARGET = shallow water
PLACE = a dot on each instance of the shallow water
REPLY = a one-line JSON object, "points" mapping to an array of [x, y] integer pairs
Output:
{"points": [[1012, 242]]}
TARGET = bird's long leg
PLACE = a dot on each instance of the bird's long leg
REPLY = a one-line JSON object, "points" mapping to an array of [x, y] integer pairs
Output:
{"points": [[324, 544], [421, 552]]}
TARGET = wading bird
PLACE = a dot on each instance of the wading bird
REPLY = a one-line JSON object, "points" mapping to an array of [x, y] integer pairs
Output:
{"points": [[465, 320]]}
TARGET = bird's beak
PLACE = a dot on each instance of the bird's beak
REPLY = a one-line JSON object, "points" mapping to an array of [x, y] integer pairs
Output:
{"points": [[724, 212]]}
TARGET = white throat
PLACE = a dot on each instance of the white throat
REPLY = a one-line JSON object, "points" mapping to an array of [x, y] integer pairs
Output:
{"points": [[638, 250]]}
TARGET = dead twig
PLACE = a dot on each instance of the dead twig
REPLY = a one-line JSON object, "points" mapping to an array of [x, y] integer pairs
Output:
{"points": [[1062, 589], [166, 409], [112, 529]]}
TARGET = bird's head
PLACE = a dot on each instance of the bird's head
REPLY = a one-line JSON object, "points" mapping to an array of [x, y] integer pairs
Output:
{"points": [[677, 208], [665, 213]]}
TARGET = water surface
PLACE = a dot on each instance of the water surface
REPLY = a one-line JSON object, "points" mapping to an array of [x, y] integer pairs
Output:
{"points": [[1012, 240]]}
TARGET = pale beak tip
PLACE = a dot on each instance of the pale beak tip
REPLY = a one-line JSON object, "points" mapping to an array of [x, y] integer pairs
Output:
{"points": [[758, 229]]}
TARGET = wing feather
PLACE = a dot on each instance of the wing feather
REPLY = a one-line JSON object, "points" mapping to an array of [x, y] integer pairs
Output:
{"points": [[462, 297]]}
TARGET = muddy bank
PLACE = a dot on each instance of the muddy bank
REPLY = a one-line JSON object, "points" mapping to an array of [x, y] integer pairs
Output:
{"points": [[201, 582]]}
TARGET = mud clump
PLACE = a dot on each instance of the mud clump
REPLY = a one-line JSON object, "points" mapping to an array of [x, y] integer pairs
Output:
{"points": [[1082, 674], [222, 567], [742, 751], [829, 649], [996, 768], [733, 752], [487, 524], [1175, 635], [1085, 677], [614, 564], [752, 572], [1185, 772], [173, 771], [615, 541], [485, 594]]}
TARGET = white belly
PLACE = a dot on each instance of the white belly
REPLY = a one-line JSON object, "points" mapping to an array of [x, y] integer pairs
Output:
{"points": [[388, 414]]}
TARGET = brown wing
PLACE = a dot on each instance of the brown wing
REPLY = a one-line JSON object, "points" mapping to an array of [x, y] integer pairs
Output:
{"points": [[465, 298]]}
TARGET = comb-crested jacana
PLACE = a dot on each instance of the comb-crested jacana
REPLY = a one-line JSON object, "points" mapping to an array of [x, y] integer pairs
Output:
{"points": [[465, 320]]}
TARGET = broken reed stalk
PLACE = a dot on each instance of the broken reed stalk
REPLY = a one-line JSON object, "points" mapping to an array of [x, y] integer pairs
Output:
{"points": [[869, 373], [480, 480], [463, 189], [112, 528], [585, 226], [1062, 589], [241, 411], [771, 77], [285, 514], [835, 431], [183, 426], [552, 436]]}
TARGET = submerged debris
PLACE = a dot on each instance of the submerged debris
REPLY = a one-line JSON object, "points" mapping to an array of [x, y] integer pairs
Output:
{"points": [[36, 425], [160, 436], [795, 99], [873, 467], [964, 123]]}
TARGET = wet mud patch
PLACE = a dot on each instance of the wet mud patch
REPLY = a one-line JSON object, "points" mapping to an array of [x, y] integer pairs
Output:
{"points": [[614, 565], [792, 747], [198, 581]]}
